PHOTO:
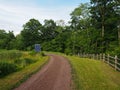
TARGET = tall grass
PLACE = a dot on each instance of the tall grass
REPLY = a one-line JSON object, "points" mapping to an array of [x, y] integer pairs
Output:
{"points": [[7, 68], [11, 61], [10, 55], [18, 66], [15, 79]]}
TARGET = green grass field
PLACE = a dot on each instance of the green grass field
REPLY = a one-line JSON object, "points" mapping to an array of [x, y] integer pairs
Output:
{"points": [[91, 74], [27, 62]]}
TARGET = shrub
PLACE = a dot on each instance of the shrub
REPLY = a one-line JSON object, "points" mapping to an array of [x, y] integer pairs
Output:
{"points": [[24, 62], [29, 61], [42, 53], [32, 53], [7, 68], [9, 55]]}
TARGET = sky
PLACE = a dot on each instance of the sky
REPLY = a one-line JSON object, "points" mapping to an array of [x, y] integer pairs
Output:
{"points": [[15, 13]]}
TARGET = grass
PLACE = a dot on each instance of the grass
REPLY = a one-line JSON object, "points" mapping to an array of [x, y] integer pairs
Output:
{"points": [[91, 74], [10, 54], [14, 79]]}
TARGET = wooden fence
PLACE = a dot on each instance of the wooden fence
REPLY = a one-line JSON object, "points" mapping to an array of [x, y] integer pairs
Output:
{"points": [[112, 61]]}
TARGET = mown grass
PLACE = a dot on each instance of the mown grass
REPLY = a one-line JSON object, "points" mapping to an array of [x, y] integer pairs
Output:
{"points": [[28, 64], [91, 74]]}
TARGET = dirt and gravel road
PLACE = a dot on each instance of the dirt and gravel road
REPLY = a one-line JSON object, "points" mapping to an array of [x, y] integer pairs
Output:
{"points": [[56, 75]]}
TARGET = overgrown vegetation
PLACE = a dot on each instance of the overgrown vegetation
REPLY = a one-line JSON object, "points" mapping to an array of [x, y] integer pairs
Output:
{"points": [[91, 74], [7, 68], [11, 61], [15, 69]]}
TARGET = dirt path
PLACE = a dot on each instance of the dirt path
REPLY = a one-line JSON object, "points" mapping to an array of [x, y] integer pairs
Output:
{"points": [[56, 75]]}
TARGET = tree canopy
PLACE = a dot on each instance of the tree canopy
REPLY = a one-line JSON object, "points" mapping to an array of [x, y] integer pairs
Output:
{"points": [[94, 28]]}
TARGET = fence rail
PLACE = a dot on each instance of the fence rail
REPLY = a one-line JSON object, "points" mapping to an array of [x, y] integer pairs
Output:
{"points": [[112, 61]]}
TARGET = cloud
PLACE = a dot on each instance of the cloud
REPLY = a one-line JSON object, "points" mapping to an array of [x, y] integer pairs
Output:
{"points": [[13, 17], [13, 14]]}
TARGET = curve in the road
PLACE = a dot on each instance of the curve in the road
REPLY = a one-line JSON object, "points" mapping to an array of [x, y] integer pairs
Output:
{"points": [[56, 75]]}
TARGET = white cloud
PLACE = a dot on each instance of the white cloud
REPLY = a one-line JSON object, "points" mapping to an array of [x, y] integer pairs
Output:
{"points": [[13, 17]]}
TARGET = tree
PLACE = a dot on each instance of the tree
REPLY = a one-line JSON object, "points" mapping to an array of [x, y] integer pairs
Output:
{"points": [[49, 30], [7, 40], [3, 36], [105, 18], [31, 33], [10, 41], [80, 22], [79, 17]]}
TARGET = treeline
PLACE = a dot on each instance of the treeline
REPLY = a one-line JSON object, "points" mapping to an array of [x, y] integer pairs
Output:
{"points": [[93, 28]]}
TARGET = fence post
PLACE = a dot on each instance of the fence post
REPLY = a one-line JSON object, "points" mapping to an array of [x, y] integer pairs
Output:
{"points": [[115, 62], [87, 55], [97, 57], [103, 57], [93, 56], [81, 55], [100, 57], [108, 61]]}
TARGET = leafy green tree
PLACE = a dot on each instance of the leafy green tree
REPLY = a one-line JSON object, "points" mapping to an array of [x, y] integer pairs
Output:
{"points": [[3, 36], [6, 39], [10, 40], [31, 33], [105, 18], [80, 23], [49, 30], [79, 17], [19, 44]]}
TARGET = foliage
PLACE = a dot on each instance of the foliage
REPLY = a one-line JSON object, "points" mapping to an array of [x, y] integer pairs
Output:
{"points": [[24, 62], [10, 55], [7, 68], [10, 61], [31, 34], [13, 80], [94, 28], [6, 40], [42, 54]]}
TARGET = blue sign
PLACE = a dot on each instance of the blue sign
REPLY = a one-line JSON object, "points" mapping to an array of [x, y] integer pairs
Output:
{"points": [[37, 48]]}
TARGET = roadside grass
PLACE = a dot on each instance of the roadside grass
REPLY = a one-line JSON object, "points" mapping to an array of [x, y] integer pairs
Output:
{"points": [[91, 74], [10, 54], [34, 63]]}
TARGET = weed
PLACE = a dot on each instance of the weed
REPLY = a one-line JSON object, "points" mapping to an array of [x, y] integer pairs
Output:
{"points": [[7, 68]]}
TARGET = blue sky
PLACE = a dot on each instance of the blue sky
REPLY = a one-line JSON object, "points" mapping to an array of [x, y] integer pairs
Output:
{"points": [[15, 13]]}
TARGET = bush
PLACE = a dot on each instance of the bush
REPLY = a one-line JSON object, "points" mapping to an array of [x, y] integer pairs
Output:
{"points": [[29, 61], [42, 53], [9, 55], [24, 62], [7, 68], [32, 53]]}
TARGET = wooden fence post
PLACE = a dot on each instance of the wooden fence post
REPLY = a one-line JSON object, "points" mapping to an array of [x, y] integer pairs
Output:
{"points": [[103, 57], [97, 57], [93, 56], [108, 61], [81, 55], [100, 57], [87, 56], [115, 62]]}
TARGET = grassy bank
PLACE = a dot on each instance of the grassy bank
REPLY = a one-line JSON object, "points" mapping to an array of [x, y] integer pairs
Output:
{"points": [[28, 63], [93, 75]]}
